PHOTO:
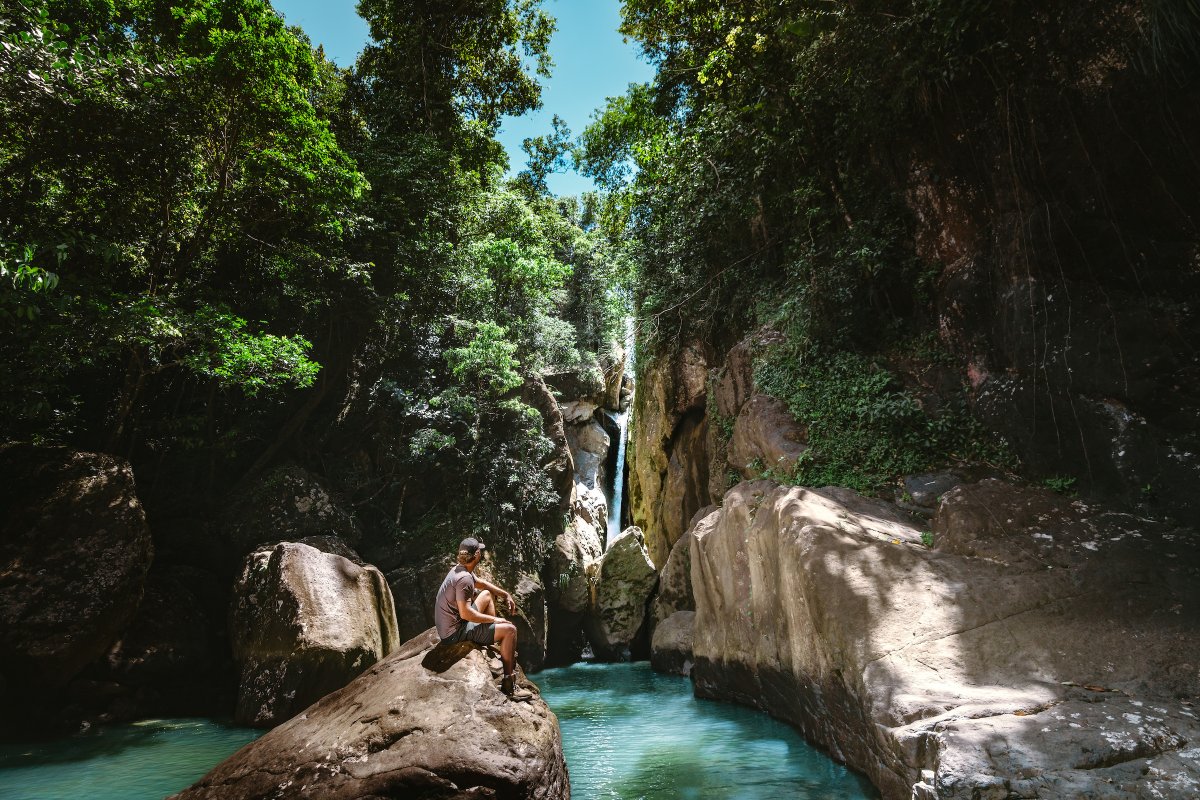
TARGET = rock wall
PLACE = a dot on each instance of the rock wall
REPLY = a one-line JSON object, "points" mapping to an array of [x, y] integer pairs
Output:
{"points": [[1057, 661]]}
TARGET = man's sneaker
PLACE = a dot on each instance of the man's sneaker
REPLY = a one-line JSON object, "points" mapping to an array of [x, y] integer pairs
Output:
{"points": [[512, 691]]}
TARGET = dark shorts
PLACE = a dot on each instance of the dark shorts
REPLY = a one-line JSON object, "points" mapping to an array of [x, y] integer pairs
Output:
{"points": [[477, 632]]}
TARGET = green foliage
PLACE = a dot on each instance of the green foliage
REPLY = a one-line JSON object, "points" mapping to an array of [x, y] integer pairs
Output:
{"points": [[927, 538], [1060, 483], [864, 428], [487, 363]]}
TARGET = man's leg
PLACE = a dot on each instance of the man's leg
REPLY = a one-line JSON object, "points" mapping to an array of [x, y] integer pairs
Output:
{"points": [[484, 603], [506, 640]]}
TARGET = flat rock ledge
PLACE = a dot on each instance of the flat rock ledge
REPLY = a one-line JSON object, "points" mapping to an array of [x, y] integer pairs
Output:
{"points": [[400, 730], [1067, 669]]}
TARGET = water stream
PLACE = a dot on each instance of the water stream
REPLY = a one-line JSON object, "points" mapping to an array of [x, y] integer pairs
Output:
{"points": [[635, 734], [618, 482], [144, 761], [628, 732]]}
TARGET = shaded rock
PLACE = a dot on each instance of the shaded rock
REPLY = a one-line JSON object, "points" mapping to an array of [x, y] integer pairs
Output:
{"points": [[586, 383], [74, 553], [960, 675], [413, 590], [569, 574], [735, 383], [671, 645], [303, 624], [766, 439], [668, 470], [675, 579], [926, 490], [625, 580], [589, 449], [400, 730], [287, 504], [614, 379], [532, 622]]}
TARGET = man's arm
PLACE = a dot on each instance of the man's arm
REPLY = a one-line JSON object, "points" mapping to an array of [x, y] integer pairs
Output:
{"points": [[497, 592], [471, 615]]}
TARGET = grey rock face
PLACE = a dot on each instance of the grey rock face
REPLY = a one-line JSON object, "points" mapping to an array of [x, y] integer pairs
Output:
{"points": [[303, 624], [74, 553], [1000, 671], [626, 579], [400, 730]]}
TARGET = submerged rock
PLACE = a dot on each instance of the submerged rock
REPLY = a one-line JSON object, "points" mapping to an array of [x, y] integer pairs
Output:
{"points": [[400, 730], [74, 553], [305, 623], [986, 672]]}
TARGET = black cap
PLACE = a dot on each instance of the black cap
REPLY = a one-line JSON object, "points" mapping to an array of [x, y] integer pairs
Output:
{"points": [[471, 546]]}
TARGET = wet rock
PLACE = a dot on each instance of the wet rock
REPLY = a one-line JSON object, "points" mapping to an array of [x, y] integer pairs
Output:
{"points": [[671, 646], [625, 580], [400, 730], [74, 553], [962, 672], [303, 624]]}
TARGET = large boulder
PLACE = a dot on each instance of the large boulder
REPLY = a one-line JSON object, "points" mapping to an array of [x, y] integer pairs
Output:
{"points": [[74, 553], [671, 648], [305, 623], [948, 675], [400, 730], [625, 580]]}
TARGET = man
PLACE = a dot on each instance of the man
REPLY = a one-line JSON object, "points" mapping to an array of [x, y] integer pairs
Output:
{"points": [[463, 616]]}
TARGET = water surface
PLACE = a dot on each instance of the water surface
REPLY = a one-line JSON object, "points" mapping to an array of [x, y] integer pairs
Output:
{"points": [[634, 734], [143, 761]]}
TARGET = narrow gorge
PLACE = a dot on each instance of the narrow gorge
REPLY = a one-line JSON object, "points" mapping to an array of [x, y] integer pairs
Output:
{"points": [[853, 383]]}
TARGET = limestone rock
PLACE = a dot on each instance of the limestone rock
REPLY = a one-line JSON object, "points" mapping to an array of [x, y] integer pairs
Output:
{"points": [[288, 504], [1002, 675], [303, 624], [766, 438], [614, 379], [671, 646], [574, 551], [625, 579], [400, 730], [74, 553], [589, 448]]}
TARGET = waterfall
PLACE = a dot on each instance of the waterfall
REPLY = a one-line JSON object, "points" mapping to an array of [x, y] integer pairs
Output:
{"points": [[618, 481], [617, 495]]}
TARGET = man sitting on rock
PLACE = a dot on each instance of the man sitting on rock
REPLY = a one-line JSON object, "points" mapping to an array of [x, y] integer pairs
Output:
{"points": [[462, 617]]}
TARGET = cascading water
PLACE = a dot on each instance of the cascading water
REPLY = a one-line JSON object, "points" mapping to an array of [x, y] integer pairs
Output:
{"points": [[616, 495], [618, 482]]}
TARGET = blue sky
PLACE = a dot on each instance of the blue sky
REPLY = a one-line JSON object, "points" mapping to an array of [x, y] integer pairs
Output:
{"points": [[591, 63]]}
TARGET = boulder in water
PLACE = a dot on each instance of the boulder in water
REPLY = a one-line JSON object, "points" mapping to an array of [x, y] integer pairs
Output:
{"points": [[626, 579], [303, 624], [400, 730]]}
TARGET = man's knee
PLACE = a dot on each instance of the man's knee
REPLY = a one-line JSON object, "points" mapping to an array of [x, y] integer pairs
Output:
{"points": [[505, 630]]}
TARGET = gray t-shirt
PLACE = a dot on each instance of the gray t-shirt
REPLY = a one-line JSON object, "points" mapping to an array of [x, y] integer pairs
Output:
{"points": [[458, 585]]}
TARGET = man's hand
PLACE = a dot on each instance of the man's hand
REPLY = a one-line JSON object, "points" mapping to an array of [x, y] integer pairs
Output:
{"points": [[512, 604]]}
